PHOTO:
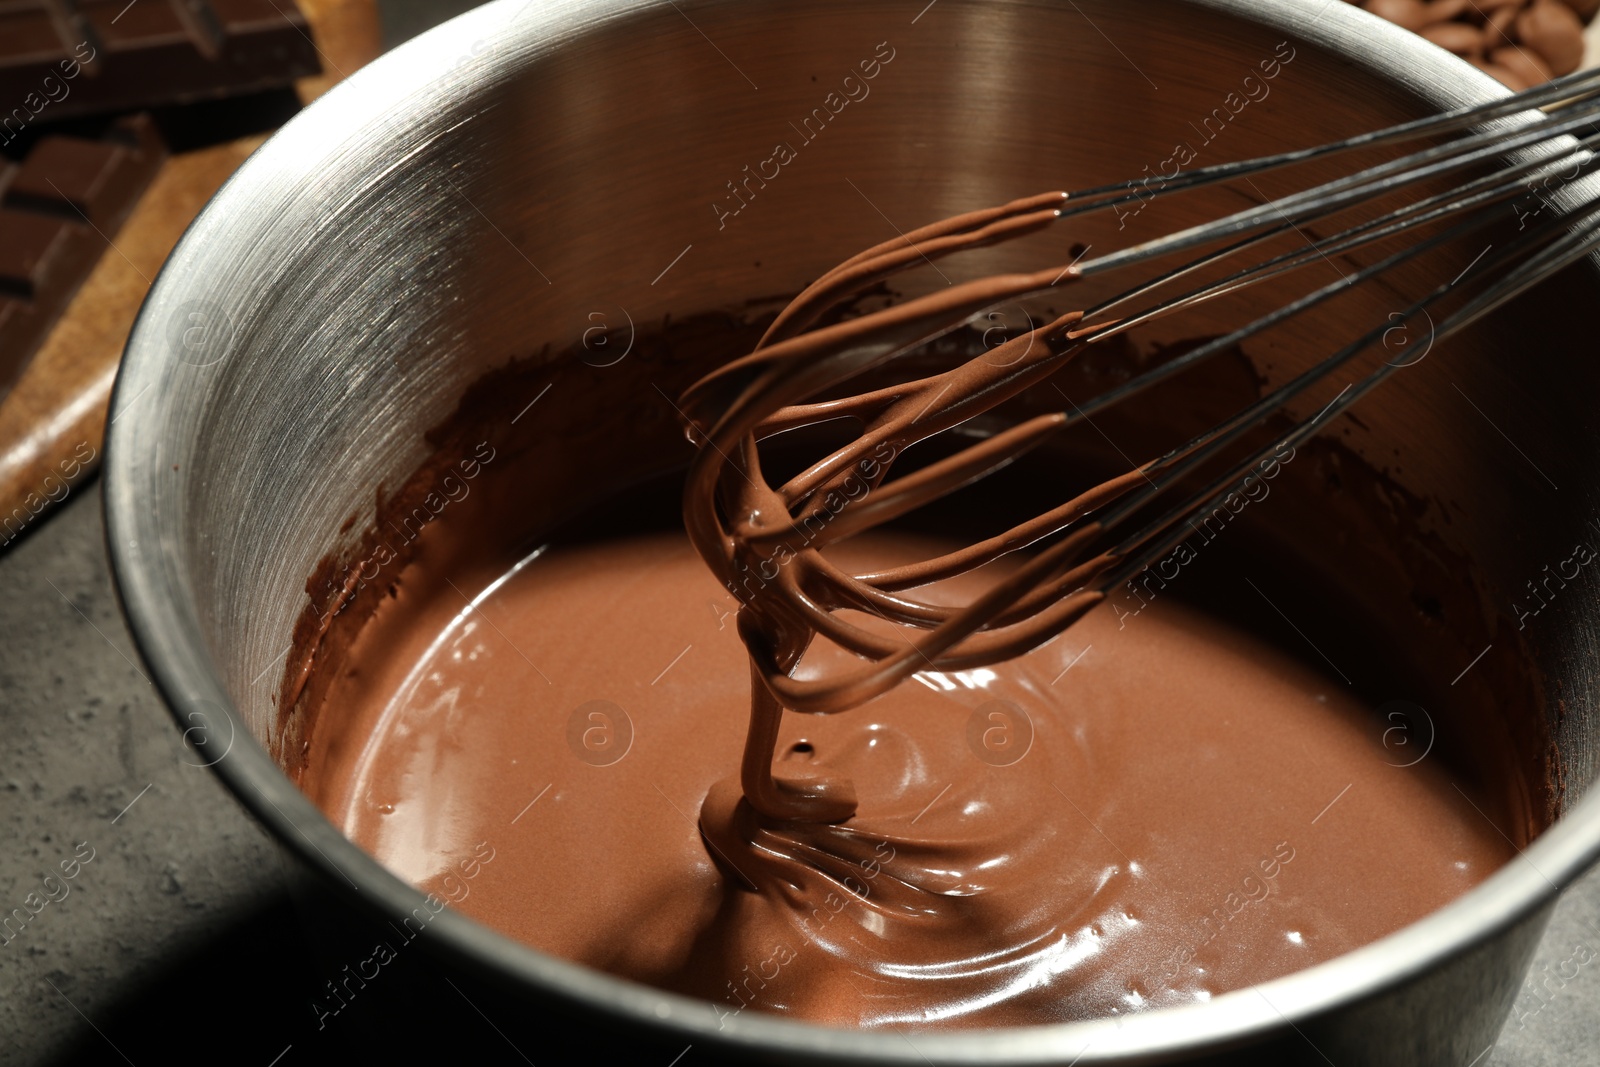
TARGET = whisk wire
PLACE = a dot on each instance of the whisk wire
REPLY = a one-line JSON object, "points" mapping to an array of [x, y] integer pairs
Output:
{"points": [[1564, 249], [1105, 535], [1568, 89], [1476, 193], [1365, 185]]}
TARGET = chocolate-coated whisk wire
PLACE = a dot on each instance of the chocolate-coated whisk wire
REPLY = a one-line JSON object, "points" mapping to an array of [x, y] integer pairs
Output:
{"points": [[770, 389], [1270, 220]]}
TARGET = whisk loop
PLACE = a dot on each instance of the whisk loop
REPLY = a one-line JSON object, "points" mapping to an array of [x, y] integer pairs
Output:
{"points": [[766, 543]]}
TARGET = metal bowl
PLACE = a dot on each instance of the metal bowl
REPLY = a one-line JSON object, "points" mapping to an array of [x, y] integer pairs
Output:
{"points": [[480, 192]]}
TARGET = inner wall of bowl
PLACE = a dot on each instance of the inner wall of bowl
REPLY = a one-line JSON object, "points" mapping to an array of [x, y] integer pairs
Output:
{"points": [[599, 179]]}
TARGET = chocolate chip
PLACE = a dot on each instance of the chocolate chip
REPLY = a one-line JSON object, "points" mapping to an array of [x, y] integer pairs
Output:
{"points": [[1584, 9], [1443, 10], [1458, 37], [1504, 75], [1551, 29], [1528, 67], [1409, 14], [1497, 29]]}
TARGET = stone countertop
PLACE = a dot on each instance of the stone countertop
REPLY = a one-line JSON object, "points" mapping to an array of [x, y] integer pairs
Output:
{"points": [[178, 936]]}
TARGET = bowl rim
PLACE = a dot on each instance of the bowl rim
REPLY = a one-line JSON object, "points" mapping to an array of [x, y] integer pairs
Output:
{"points": [[169, 638]]}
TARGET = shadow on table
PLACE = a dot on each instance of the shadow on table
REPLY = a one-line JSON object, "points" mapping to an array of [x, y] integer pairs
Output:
{"points": [[251, 998]]}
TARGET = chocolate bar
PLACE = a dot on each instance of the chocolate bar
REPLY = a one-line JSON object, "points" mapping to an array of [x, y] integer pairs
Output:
{"points": [[65, 58], [58, 209]]}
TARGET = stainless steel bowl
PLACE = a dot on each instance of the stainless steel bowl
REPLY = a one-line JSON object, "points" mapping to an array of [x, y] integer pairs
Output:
{"points": [[481, 191]]}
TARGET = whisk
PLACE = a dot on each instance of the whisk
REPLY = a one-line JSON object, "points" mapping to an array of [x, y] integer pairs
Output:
{"points": [[765, 542]]}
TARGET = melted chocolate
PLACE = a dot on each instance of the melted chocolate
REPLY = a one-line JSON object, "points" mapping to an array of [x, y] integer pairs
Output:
{"points": [[1137, 812], [1126, 817], [768, 549]]}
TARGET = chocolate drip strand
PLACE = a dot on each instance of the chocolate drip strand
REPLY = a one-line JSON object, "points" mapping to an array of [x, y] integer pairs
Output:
{"points": [[765, 543]]}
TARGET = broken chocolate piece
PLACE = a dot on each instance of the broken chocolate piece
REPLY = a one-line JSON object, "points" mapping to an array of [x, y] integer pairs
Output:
{"points": [[60, 59], [58, 210]]}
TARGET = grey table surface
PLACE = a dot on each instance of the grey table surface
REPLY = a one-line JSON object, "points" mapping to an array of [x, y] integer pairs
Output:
{"points": [[182, 911]]}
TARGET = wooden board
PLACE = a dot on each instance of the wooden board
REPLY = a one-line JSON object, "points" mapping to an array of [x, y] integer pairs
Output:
{"points": [[52, 424]]}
